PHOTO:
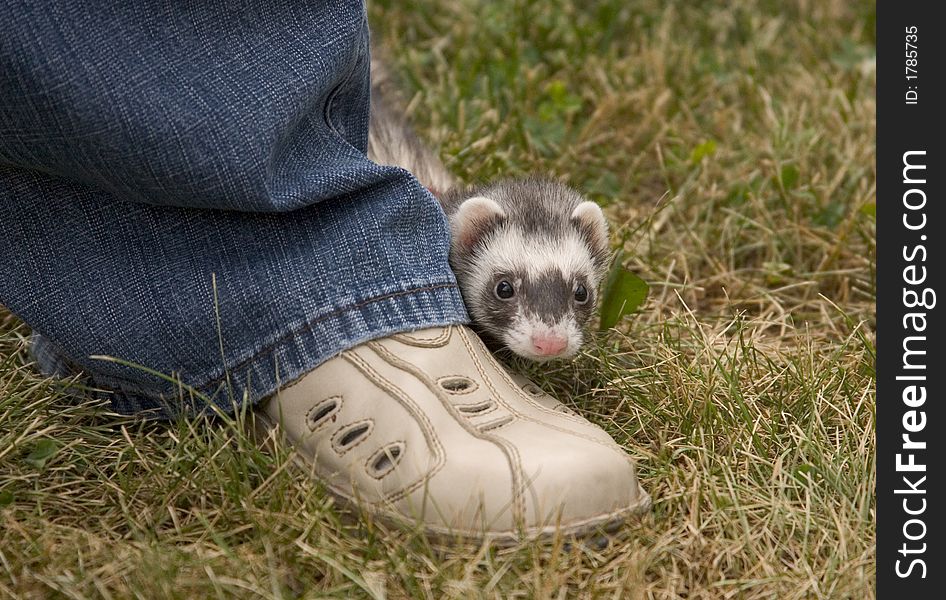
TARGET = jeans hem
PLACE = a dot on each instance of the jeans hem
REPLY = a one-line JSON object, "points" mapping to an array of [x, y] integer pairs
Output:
{"points": [[277, 364]]}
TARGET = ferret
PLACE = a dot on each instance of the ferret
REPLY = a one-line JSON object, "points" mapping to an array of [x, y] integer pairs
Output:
{"points": [[528, 253]]}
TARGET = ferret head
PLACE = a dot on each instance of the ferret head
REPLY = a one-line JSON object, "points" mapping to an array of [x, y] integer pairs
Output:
{"points": [[529, 257]]}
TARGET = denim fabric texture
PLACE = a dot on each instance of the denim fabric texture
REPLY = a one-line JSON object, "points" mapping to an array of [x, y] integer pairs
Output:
{"points": [[185, 188]]}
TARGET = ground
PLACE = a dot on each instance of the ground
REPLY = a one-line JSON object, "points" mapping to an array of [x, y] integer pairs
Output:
{"points": [[732, 146]]}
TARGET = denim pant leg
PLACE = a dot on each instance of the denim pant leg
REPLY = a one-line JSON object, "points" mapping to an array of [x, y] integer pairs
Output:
{"points": [[186, 191]]}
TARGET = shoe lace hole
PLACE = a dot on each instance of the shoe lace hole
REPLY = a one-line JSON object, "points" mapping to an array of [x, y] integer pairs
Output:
{"points": [[323, 411], [475, 409], [351, 435], [458, 384], [384, 461]]}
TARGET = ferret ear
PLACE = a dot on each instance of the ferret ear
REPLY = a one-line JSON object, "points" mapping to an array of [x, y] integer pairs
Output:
{"points": [[475, 218], [590, 221]]}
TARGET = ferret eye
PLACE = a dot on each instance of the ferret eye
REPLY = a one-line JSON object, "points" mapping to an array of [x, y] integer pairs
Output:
{"points": [[504, 290], [581, 294]]}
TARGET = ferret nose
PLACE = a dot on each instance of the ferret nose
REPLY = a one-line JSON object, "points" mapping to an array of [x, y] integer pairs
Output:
{"points": [[548, 344]]}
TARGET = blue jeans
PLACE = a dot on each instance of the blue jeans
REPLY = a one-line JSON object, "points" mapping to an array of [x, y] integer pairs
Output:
{"points": [[186, 190]]}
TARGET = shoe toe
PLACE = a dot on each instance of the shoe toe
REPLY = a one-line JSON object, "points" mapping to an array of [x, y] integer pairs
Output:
{"points": [[568, 479]]}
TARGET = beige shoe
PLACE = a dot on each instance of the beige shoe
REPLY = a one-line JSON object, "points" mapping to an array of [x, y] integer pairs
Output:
{"points": [[426, 426]]}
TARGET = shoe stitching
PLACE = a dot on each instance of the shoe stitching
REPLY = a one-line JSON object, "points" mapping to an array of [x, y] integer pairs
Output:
{"points": [[559, 406], [643, 502], [402, 365], [520, 489], [475, 386], [479, 366], [341, 450], [470, 415], [419, 417], [496, 423], [572, 416], [575, 527], [329, 416], [515, 461], [538, 391], [437, 342], [394, 463], [522, 394], [307, 460], [612, 446]]}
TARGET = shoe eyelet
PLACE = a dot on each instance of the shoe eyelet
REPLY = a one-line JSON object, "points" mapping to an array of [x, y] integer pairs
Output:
{"points": [[385, 460], [323, 412], [532, 389], [476, 409], [457, 384], [351, 435]]}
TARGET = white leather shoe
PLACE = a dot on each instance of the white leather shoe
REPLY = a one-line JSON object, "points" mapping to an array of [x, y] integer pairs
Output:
{"points": [[426, 426]]}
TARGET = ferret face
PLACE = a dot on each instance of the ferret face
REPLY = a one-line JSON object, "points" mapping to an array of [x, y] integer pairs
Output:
{"points": [[539, 313], [531, 289]]}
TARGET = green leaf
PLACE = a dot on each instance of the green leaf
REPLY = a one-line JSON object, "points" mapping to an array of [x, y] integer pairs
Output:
{"points": [[42, 452], [789, 176], [870, 209], [831, 215], [624, 292], [559, 103], [556, 90], [707, 148], [6, 498]]}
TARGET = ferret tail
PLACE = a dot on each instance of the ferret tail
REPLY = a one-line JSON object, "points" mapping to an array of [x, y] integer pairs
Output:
{"points": [[393, 141]]}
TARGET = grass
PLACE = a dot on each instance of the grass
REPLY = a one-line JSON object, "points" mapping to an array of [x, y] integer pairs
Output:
{"points": [[732, 144]]}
